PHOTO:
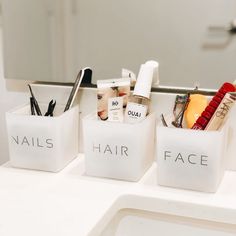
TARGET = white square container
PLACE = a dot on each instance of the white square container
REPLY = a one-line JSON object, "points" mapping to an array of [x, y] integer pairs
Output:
{"points": [[231, 147], [191, 159], [118, 150], [40, 142]]}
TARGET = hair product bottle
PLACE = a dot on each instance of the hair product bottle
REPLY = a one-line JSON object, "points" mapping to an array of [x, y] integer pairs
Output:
{"points": [[138, 104]]}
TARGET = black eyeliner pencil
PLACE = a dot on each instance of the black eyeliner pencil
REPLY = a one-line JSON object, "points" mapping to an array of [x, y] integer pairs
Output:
{"points": [[32, 106], [36, 105]]}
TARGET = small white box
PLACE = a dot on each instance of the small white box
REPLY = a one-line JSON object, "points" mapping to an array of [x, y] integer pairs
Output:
{"points": [[231, 147], [41, 142], [118, 150], [191, 159]]}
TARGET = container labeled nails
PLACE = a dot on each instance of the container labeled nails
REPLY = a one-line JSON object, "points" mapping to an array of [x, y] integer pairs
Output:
{"points": [[45, 142]]}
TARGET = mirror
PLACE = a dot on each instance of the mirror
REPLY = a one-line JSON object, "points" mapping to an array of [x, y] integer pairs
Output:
{"points": [[50, 40]]}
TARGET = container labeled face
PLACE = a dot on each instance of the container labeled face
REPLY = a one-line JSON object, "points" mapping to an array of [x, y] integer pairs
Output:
{"points": [[231, 147], [191, 159]]}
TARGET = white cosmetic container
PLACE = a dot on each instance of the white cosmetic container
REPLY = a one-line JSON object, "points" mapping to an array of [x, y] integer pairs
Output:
{"points": [[118, 150], [191, 159], [43, 142]]}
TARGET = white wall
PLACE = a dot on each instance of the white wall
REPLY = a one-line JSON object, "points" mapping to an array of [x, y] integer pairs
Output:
{"points": [[175, 33], [12, 93], [108, 35]]}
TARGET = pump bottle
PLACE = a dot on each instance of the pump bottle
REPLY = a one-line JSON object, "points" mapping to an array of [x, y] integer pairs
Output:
{"points": [[138, 104]]}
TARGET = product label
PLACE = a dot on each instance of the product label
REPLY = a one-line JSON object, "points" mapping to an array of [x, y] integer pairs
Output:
{"points": [[36, 142], [110, 150], [185, 158], [135, 112], [221, 112], [115, 109], [224, 108]]}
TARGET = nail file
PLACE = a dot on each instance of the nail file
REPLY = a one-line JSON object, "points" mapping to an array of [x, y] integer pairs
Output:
{"points": [[75, 88], [221, 112]]}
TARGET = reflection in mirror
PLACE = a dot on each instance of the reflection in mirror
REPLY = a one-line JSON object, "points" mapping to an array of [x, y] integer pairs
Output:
{"points": [[50, 40]]}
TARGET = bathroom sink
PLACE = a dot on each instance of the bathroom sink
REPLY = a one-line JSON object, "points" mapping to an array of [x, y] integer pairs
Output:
{"points": [[130, 222], [155, 210]]}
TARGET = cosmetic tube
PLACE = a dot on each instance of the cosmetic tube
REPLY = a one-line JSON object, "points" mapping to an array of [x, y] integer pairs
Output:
{"points": [[221, 112], [205, 117]]}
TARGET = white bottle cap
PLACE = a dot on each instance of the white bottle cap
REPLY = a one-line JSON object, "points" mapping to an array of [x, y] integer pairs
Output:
{"points": [[155, 66], [144, 81], [125, 73]]}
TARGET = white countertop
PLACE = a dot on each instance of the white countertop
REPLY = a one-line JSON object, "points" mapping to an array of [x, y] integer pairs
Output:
{"points": [[71, 203]]}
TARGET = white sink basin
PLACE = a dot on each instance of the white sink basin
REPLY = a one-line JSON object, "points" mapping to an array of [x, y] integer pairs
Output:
{"points": [[155, 210], [130, 222]]}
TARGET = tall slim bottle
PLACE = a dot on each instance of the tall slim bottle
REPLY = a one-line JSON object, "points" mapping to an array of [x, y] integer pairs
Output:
{"points": [[138, 104]]}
